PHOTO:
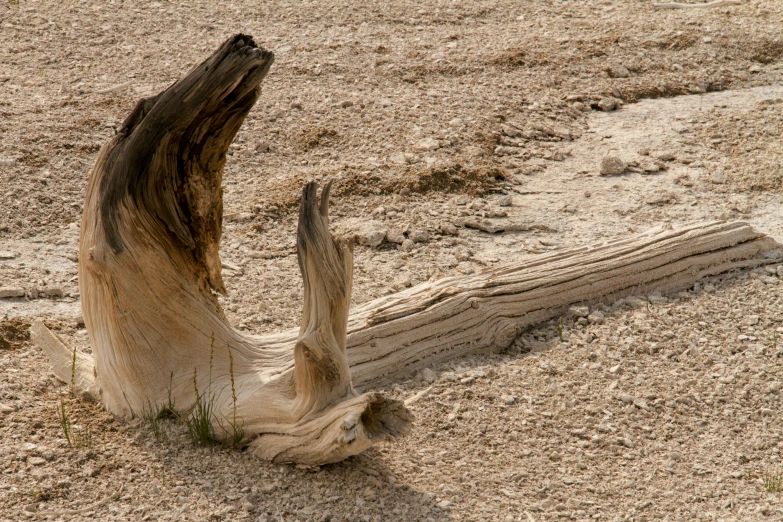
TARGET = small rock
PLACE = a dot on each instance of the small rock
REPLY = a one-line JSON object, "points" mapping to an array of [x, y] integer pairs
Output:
{"points": [[718, 177], [626, 398], [665, 156], [262, 147], [579, 311], [456, 122], [7, 162], [372, 237], [36, 461], [508, 399], [615, 369], [11, 291], [462, 200], [444, 504], [612, 166], [402, 282], [5, 254], [6, 408], [780, 271], [407, 245], [505, 201], [395, 236], [429, 375], [628, 443], [641, 404], [54, 291], [649, 166], [239, 217], [426, 145], [419, 236], [510, 131], [596, 317], [660, 197], [618, 71], [448, 228], [608, 104]]}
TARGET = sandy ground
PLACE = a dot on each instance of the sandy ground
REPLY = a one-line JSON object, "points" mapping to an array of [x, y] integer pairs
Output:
{"points": [[462, 134]]}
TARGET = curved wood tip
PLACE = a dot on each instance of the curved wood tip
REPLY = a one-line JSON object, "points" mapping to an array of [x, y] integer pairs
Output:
{"points": [[337, 432]]}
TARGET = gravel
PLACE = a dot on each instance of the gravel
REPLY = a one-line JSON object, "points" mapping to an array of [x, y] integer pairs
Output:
{"points": [[440, 114]]}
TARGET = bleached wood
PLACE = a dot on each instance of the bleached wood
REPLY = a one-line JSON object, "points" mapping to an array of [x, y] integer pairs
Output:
{"points": [[70, 366], [149, 268]]}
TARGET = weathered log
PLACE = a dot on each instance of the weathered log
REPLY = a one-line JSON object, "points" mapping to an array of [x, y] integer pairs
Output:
{"points": [[149, 269]]}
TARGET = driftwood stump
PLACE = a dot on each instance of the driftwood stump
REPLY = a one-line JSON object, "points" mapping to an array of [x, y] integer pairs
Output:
{"points": [[149, 271]]}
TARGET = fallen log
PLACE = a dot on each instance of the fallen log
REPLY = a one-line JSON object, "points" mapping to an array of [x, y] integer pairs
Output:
{"points": [[149, 272]]}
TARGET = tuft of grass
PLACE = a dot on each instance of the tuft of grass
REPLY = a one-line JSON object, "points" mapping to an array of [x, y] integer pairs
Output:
{"points": [[773, 481], [78, 438], [199, 422], [237, 431], [152, 414]]}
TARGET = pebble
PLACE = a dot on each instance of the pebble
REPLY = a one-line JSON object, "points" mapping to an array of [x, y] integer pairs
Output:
{"points": [[779, 271], [510, 131], [36, 461], [5, 254], [53, 291], [612, 166], [718, 177], [508, 399], [505, 201], [395, 236], [419, 236], [262, 147], [641, 404], [626, 398], [596, 317], [11, 291], [579, 311], [618, 71], [448, 229], [665, 156], [429, 375], [426, 145], [372, 237], [608, 104], [407, 245]]}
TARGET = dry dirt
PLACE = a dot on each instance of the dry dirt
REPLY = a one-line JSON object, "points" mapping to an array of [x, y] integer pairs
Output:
{"points": [[459, 135]]}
